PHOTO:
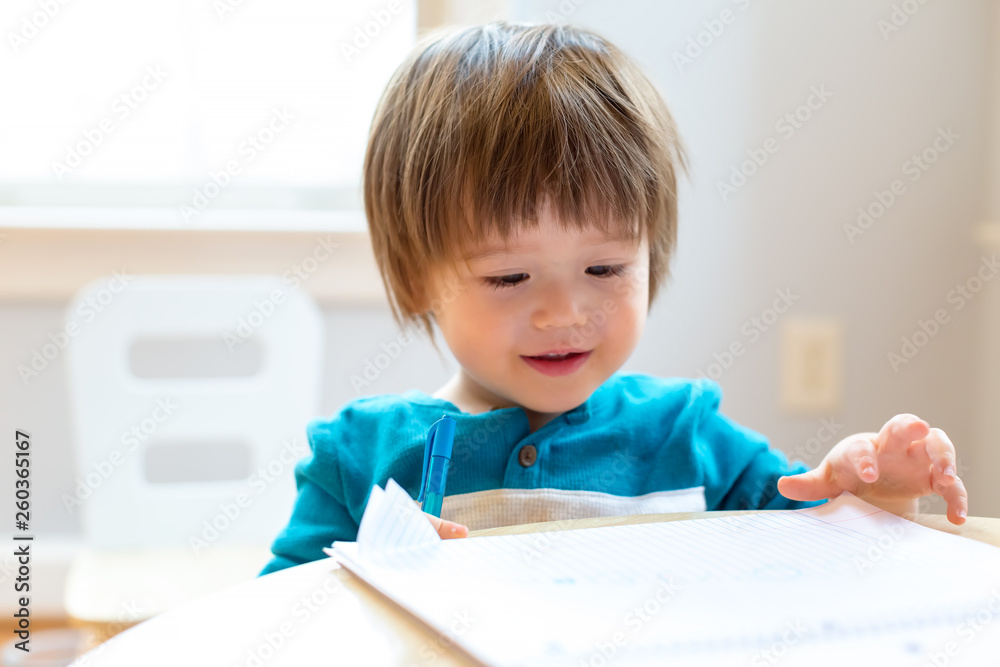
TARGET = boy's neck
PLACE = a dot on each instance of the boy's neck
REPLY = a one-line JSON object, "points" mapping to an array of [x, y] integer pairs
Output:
{"points": [[459, 392]]}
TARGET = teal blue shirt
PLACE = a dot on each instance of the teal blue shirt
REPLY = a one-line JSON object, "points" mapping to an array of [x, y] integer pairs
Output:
{"points": [[640, 444]]}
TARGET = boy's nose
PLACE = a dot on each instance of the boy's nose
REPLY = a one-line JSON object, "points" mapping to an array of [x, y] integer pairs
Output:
{"points": [[558, 307]]}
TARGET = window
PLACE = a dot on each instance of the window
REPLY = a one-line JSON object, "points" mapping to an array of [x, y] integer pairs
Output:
{"points": [[191, 111]]}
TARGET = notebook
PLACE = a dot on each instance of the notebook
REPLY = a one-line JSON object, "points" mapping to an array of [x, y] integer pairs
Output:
{"points": [[841, 583]]}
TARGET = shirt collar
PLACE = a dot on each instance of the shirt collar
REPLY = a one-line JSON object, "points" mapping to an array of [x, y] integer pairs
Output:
{"points": [[579, 414]]}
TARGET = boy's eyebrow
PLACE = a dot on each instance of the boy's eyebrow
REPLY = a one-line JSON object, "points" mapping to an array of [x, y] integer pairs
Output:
{"points": [[493, 251]]}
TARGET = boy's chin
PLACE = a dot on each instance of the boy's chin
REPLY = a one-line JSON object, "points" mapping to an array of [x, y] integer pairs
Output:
{"points": [[552, 405]]}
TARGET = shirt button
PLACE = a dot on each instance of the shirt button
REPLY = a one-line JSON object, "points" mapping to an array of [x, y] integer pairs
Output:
{"points": [[527, 456]]}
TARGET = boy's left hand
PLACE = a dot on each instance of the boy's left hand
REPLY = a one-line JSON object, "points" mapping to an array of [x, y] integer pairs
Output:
{"points": [[891, 469]]}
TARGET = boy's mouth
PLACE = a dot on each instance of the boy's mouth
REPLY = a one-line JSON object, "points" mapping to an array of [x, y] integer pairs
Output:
{"points": [[557, 364]]}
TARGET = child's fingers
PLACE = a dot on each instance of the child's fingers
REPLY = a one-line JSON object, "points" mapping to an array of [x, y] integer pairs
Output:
{"points": [[864, 460], [905, 427], [944, 477], [447, 529], [958, 500], [811, 485], [450, 530], [942, 455], [856, 463]]}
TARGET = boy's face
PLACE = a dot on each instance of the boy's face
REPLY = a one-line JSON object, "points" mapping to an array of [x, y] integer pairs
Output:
{"points": [[549, 290]]}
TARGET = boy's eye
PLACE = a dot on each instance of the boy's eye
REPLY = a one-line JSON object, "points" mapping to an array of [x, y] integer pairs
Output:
{"points": [[608, 270], [505, 281]]}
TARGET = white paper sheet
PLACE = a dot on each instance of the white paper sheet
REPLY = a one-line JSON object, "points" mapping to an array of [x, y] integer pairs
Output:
{"points": [[842, 583]]}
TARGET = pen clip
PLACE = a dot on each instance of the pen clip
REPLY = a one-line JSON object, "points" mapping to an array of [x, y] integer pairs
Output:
{"points": [[428, 450]]}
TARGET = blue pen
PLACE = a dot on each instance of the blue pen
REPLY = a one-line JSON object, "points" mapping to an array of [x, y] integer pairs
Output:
{"points": [[437, 456]]}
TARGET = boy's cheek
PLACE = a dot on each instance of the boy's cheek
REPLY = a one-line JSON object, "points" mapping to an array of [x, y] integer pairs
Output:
{"points": [[446, 292], [636, 284], [629, 295]]}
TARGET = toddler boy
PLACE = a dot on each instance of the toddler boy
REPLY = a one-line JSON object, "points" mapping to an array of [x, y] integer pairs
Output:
{"points": [[520, 190]]}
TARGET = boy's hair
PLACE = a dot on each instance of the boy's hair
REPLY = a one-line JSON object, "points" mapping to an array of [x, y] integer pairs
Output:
{"points": [[479, 126]]}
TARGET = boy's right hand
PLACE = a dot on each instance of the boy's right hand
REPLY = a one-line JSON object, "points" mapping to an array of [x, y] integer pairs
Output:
{"points": [[447, 529]]}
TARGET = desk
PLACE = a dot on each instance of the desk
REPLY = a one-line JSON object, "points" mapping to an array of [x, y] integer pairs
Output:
{"points": [[318, 611]]}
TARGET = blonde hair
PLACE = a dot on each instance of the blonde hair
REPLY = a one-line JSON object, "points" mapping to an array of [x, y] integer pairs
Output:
{"points": [[479, 126]]}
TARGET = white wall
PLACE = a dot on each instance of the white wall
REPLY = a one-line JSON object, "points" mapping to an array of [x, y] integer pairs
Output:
{"points": [[988, 432]]}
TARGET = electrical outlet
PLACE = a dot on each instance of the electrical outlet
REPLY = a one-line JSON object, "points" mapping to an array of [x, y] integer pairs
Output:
{"points": [[812, 361]]}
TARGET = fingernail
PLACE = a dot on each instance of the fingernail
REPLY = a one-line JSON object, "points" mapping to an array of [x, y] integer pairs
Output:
{"points": [[454, 529], [961, 513], [868, 470], [949, 471]]}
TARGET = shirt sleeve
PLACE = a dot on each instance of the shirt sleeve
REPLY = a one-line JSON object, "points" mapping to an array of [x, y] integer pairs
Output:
{"points": [[320, 515], [740, 470]]}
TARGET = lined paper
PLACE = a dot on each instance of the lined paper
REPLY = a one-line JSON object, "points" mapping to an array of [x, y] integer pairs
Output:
{"points": [[840, 583]]}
